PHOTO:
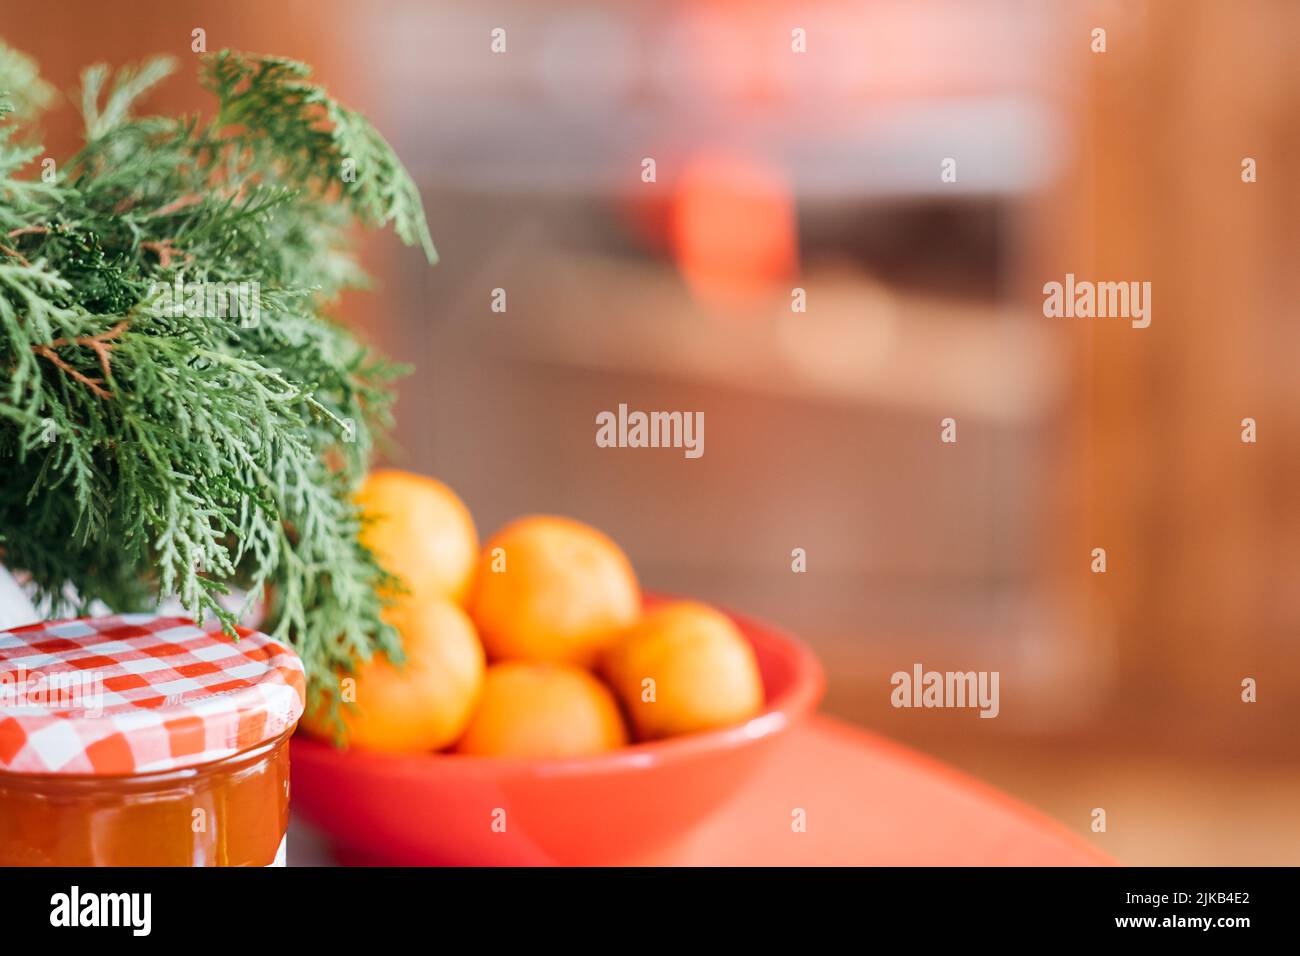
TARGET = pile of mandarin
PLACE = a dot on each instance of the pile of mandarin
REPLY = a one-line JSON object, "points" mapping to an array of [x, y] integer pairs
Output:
{"points": [[537, 646]]}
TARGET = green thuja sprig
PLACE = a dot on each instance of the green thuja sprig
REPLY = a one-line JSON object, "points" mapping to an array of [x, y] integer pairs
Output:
{"points": [[146, 451]]}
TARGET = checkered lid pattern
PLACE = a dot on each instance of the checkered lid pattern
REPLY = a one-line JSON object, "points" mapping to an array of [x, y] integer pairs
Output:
{"points": [[139, 693]]}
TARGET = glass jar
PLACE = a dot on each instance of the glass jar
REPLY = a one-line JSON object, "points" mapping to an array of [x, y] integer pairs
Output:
{"points": [[144, 740], [230, 812]]}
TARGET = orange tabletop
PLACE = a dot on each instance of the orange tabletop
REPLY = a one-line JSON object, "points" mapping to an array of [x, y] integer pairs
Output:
{"points": [[866, 802], [870, 802]]}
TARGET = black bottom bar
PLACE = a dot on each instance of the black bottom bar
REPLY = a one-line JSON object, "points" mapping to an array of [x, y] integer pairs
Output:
{"points": [[328, 906]]}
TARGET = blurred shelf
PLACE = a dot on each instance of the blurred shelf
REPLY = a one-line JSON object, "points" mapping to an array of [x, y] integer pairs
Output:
{"points": [[860, 343]]}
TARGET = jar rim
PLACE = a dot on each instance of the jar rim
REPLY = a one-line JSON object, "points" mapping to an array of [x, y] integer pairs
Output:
{"points": [[147, 779]]}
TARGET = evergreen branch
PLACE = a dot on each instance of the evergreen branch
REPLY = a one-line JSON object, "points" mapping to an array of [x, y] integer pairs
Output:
{"points": [[316, 141], [129, 85], [151, 445], [21, 85]]}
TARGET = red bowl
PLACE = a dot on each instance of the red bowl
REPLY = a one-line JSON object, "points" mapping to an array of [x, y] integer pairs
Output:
{"points": [[421, 809]]}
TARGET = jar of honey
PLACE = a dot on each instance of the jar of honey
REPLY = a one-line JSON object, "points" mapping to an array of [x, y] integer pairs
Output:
{"points": [[142, 740]]}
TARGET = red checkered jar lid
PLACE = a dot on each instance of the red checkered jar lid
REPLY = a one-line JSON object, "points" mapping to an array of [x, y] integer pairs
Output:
{"points": [[139, 693]]}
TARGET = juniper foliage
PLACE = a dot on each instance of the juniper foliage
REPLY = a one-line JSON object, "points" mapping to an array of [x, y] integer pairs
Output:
{"points": [[145, 452]]}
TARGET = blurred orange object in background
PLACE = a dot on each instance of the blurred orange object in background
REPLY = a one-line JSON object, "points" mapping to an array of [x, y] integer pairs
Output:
{"points": [[734, 234]]}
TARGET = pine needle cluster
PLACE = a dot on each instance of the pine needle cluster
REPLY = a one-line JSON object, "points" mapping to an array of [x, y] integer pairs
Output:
{"points": [[149, 451]]}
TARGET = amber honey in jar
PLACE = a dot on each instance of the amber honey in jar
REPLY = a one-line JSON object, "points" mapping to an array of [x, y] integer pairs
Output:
{"points": [[141, 740]]}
